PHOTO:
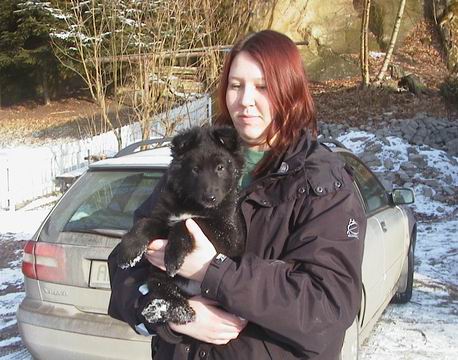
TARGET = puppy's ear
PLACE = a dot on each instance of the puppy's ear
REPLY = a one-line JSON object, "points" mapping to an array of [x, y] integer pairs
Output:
{"points": [[227, 137], [184, 141]]}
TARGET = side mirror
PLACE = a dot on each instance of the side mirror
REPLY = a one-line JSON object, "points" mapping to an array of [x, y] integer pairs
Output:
{"points": [[402, 196]]}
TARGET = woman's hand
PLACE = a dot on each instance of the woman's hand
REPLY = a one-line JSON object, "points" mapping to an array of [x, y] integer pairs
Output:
{"points": [[212, 325], [195, 263]]}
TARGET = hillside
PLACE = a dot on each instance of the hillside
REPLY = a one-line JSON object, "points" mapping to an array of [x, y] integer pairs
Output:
{"points": [[341, 100]]}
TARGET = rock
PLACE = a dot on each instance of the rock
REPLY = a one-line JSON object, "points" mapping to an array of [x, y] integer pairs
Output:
{"points": [[408, 167], [418, 160], [452, 147], [418, 140], [373, 147], [428, 192], [432, 183], [403, 176], [360, 138], [439, 197], [412, 150], [412, 83], [448, 179], [440, 209], [448, 190], [449, 30], [388, 164]]}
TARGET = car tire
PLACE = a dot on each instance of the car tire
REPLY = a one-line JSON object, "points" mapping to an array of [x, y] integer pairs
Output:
{"points": [[405, 286], [350, 347]]}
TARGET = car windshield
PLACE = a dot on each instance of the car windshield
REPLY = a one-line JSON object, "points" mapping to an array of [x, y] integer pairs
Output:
{"points": [[102, 202]]}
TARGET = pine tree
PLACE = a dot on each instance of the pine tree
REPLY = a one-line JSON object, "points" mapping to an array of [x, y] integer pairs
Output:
{"points": [[28, 66]]}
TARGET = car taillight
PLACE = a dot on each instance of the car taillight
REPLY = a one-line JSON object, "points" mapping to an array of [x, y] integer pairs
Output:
{"points": [[43, 261]]}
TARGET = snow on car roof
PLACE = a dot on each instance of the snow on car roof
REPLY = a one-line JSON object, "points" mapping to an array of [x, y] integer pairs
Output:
{"points": [[156, 157]]}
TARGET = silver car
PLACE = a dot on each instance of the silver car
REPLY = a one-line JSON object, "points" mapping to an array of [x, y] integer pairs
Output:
{"points": [[64, 312]]}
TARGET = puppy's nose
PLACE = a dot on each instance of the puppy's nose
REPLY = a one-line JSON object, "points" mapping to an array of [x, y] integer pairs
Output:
{"points": [[210, 198]]}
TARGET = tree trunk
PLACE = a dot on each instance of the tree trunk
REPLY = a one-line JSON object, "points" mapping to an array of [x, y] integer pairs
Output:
{"points": [[394, 36], [44, 83], [364, 48]]}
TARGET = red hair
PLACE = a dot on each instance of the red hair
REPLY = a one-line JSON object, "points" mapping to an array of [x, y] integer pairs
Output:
{"points": [[287, 88]]}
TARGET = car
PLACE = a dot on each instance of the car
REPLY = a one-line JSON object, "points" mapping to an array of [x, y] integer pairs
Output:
{"points": [[67, 286]]}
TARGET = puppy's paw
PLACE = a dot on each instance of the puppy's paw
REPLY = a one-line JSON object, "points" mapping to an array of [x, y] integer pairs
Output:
{"points": [[131, 251], [172, 270], [172, 265], [156, 311], [130, 258], [182, 314]]}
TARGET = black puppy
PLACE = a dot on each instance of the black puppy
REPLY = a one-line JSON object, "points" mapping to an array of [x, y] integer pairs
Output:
{"points": [[201, 184]]}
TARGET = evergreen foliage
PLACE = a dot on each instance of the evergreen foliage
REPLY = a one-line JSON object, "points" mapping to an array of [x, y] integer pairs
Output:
{"points": [[28, 67]]}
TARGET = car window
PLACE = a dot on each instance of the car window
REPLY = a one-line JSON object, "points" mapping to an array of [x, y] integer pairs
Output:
{"points": [[372, 191], [102, 200], [112, 201]]}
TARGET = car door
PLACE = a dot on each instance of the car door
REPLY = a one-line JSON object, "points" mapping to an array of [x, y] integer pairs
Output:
{"points": [[395, 246], [377, 245]]}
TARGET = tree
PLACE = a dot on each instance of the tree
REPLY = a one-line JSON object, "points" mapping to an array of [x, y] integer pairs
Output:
{"points": [[394, 36], [26, 56], [364, 49], [138, 50]]}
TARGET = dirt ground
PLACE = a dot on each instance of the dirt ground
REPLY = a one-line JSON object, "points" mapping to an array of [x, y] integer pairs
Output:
{"points": [[340, 100]]}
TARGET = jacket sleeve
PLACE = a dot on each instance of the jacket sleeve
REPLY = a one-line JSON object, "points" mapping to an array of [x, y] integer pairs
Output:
{"points": [[311, 294], [128, 293]]}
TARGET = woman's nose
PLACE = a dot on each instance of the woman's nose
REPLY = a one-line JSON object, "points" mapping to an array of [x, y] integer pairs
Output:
{"points": [[247, 96]]}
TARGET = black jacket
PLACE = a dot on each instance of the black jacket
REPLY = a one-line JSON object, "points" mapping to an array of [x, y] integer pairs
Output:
{"points": [[299, 281]]}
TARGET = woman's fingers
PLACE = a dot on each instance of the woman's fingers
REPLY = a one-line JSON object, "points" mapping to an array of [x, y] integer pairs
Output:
{"points": [[194, 230], [212, 324], [157, 244]]}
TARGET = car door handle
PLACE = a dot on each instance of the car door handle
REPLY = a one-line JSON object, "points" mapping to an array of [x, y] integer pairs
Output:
{"points": [[383, 225]]}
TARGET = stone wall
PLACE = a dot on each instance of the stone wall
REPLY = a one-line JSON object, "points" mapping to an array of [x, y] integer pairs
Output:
{"points": [[438, 133], [415, 170]]}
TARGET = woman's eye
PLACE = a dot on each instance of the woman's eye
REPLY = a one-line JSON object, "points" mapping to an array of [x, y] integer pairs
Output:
{"points": [[235, 86], [261, 87]]}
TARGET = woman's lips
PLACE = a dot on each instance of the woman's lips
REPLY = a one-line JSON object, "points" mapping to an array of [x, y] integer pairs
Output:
{"points": [[247, 117]]}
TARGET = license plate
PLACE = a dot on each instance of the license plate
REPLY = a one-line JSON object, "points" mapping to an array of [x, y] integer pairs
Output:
{"points": [[100, 277]]}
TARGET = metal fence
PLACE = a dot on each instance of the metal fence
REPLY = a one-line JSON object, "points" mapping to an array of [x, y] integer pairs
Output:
{"points": [[27, 173]]}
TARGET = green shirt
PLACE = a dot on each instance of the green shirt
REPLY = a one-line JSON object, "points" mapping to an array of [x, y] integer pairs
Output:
{"points": [[252, 158]]}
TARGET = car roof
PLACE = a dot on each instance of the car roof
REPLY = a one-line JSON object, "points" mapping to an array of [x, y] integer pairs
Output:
{"points": [[158, 157], [161, 157]]}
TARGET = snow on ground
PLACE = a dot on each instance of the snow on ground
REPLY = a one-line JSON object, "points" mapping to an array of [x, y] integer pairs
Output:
{"points": [[15, 228], [426, 328]]}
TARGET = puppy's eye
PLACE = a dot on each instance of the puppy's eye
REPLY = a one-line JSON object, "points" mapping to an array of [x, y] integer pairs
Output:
{"points": [[220, 167], [195, 169]]}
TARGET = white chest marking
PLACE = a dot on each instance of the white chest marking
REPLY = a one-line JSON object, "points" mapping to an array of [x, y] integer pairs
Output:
{"points": [[181, 217]]}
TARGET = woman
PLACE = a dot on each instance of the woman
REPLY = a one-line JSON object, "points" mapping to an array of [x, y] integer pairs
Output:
{"points": [[297, 287]]}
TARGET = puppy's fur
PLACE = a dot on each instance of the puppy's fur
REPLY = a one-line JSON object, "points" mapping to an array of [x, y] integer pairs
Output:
{"points": [[201, 184]]}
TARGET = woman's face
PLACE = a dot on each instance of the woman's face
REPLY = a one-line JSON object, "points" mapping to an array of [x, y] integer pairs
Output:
{"points": [[247, 100]]}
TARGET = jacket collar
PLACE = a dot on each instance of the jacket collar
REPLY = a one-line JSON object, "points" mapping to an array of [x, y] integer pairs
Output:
{"points": [[295, 156]]}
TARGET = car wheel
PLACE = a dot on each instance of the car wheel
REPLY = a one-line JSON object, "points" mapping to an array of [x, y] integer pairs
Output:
{"points": [[350, 347], [405, 285]]}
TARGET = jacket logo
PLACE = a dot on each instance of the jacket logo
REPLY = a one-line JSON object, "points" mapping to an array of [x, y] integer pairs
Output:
{"points": [[352, 229]]}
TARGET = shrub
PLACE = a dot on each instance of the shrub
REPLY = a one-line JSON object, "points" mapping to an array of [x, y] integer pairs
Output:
{"points": [[449, 89]]}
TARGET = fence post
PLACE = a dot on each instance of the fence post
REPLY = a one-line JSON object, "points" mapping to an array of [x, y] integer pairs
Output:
{"points": [[10, 196]]}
